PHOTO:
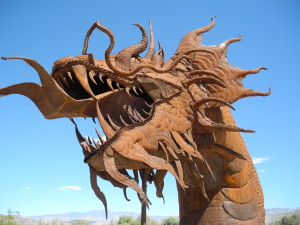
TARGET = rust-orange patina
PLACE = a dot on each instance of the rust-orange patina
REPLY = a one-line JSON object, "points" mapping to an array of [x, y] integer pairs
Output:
{"points": [[160, 116]]}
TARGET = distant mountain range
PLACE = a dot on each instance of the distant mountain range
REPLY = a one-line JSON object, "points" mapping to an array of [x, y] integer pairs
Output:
{"points": [[276, 214], [93, 217], [97, 217]]}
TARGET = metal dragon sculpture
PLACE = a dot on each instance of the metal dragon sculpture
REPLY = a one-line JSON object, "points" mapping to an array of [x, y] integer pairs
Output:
{"points": [[159, 116]]}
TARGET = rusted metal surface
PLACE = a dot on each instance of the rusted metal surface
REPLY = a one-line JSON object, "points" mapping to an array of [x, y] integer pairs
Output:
{"points": [[159, 116]]}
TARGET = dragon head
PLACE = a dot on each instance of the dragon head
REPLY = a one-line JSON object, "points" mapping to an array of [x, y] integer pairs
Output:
{"points": [[154, 113]]}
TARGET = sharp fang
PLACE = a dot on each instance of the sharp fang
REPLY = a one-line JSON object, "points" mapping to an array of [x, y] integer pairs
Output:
{"points": [[81, 76], [118, 86], [100, 137], [165, 150], [100, 77], [139, 116], [96, 143], [110, 84], [124, 123], [59, 81], [108, 131], [134, 89], [114, 126], [87, 140], [70, 76], [63, 79], [185, 146], [127, 89], [147, 104], [91, 75], [147, 113], [140, 89], [132, 120], [189, 137], [90, 140]]}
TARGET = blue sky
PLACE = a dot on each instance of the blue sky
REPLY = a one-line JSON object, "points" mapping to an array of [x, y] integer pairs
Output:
{"points": [[42, 169]]}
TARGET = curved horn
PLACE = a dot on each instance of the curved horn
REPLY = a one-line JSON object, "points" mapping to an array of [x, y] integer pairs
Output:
{"points": [[159, 57], [151, 49], [177, 59], [123, 58], [194, 36]]}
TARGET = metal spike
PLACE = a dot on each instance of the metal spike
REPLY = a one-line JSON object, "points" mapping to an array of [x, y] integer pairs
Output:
{"points": [[94, 120], [139, 116], [124, 123], [131, 118], [100, 77], [134, 89], [147, 113], [90, 140], [118, 85], [100, 137], [70, 76], [226, 43], [199, 178], [185, 146], [91, 76], [244, 72], [127, 89], [72, 120], [96, 143], [64, 80], [165, 150], [188, 135], [108, 131], [87, 140], [147, 104], [177, 163], [59, 81], [109, 82], [125, 194], [81, 76], [114, 126], [140, 89]]}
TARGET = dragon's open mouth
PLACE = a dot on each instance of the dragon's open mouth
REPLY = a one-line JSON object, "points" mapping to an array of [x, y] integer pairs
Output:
{"points": [[120, 105], [157, 117]]}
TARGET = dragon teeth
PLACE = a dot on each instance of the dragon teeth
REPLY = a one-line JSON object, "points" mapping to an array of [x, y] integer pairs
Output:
{"points": [[127, 89], [118, 86], [100, 137], [107, 129], [92, 74], [109, 82], [100, 77], [122, 120], [138, 115], [113, 125], [70, 76], [147, 104], [134, 89], [131, 119], [147, 113], [140, 89]]}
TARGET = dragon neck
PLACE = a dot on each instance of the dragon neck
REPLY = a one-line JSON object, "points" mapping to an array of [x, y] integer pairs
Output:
{"points": [[237, 197]]}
